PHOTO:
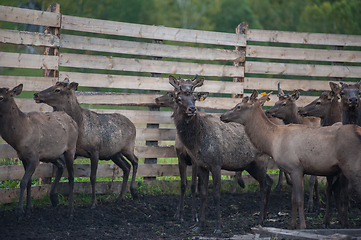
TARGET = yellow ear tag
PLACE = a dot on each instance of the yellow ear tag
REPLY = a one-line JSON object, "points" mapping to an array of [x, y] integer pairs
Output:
{"points": [[201, 99], [264, 94]]}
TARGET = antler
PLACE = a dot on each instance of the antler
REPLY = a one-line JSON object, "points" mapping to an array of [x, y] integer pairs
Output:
{"points": [[280, 92]]}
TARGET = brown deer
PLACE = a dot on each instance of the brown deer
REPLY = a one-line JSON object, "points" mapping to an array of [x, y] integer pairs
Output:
{"points": [[327, 107], [286, 109], [38, 137], [185, 160], [101, 136], [299, 149], [214, 145]]}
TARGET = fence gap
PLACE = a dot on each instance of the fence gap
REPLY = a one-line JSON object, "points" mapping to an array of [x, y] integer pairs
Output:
{"points": [[153, 108]]}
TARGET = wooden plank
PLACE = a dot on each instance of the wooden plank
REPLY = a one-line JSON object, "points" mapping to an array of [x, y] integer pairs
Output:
{"points": [[22, 15], [303, 38], [302, 69], [21, 60], [146, 83], [303, 54], [155, 134], [140, 65], [148, 49], [287, 84], [29, 105], [6, 151], [12, 172], [30, 83], [28, 38], [151, 32]]}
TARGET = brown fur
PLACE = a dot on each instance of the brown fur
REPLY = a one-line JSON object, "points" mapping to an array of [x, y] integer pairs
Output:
{"points": [[101, 136], [38, 137], [302, 150]]}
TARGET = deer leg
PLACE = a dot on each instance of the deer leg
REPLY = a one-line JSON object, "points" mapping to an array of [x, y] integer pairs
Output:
{"points": [[69, 162], [29, 167], [313, 184], [279, 184], [182, 166], [345, 200], [329, 189], [134, 160], [237, 180], [125, 166], [297, 201], [94, 158], [265, 184], [288, 179], [216, 175], [203, 192], [193, 190], [59, 163]]}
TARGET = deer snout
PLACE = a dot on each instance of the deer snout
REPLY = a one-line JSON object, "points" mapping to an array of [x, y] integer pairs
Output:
{"points": [[192, 110], [36, 98], [353, 101]]}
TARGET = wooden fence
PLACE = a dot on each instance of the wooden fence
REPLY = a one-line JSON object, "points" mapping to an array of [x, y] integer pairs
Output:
{"points": [[116, 59]]}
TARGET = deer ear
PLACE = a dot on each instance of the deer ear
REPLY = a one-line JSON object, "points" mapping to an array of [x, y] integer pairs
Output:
{"points": [[174, 82], [336, 89], [254, 96], [201, 96], [358, 84], [16, 90], [245, 99], [73, 85], [295, 95]]}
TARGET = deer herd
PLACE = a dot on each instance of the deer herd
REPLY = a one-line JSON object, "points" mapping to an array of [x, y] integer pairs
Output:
{"points": [[321, 139]]}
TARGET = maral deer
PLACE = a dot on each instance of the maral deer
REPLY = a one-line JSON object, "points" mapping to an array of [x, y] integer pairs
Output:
{"points": [[38, 137], [214, 145], [300, 150], [101, 136]]}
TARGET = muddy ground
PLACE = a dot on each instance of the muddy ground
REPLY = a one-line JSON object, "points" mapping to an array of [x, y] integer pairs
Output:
{"points": [[151, 217]]}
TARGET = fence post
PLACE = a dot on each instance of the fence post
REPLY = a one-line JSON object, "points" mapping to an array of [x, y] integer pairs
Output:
{"points": [[242, 28], [55, 7], [153, 108]]}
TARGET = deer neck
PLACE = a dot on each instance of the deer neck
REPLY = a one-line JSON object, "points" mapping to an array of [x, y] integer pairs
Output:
{"points": [[293, 117], [72, 108], [333, 114], [13, 124], [260, 130]]}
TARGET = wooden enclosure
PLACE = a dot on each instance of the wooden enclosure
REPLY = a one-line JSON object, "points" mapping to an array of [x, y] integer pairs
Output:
{"points": [[122, 67]]}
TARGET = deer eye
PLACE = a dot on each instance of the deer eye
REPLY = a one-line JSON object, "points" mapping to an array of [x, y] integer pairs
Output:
{"points": [[283, 104], [318, 103], [1, 98], [179, 99], [57, 90]]}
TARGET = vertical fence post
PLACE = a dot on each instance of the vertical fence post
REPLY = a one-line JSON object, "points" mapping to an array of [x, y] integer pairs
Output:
{"points": [[242, 28], [55, 7], [153, 108]]}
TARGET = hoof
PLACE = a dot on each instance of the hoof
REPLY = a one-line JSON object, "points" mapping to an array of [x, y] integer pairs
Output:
{"points": [[54, 200], [93, 206], [196, 229], [19, 214]]}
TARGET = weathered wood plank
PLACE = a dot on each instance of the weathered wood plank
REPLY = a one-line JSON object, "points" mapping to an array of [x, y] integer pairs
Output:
{"points": [[30, 83], [21, 60], [146, 83], [22, 15], [151, 32], [287, 84], [28, 38], [6, 151], [140, 65], [148, 49], [303, 38], [303, 54], [155, 134], [12, 172], [29, 105], [302, 69]]}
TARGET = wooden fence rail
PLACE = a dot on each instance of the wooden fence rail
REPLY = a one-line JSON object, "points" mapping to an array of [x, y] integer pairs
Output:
{"points": [[113, 73]]}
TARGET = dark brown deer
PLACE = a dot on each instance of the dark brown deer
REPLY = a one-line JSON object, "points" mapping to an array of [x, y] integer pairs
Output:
{"points": [[299, 149], [214, 145], [101, 136], [38, 137], [185, 160], [286, 109], [327, 107], [350, 101]]}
